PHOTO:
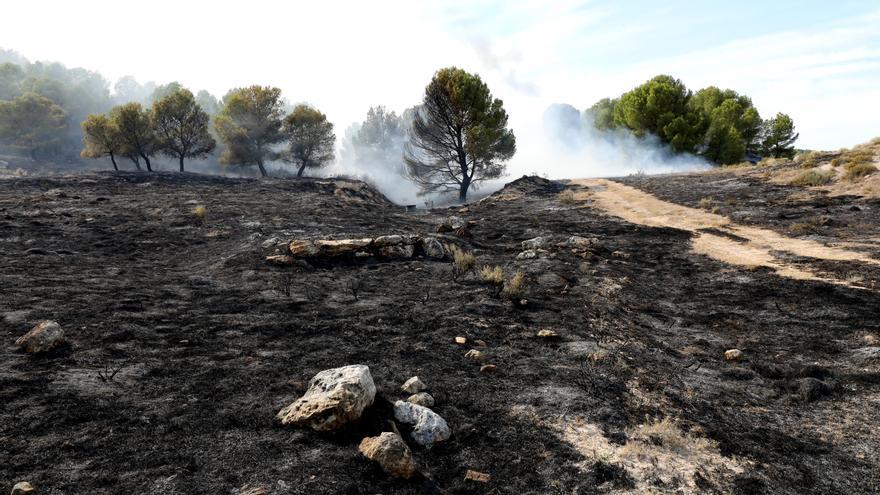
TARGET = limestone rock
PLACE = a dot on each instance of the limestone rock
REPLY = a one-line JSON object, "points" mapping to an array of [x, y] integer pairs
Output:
{"points": [[421, 399], [335, 397], [871, 340], [528, 254], [535, 243], [579, 242], [475, 355], [472, 475], [22, 488], [488, 368], [733, 355], [44, 337], [281, 259], [390, 452], [461, 340], [429, 428], [433, 248], [327, 248], [413, 386], [546, 333], [394, 246]]}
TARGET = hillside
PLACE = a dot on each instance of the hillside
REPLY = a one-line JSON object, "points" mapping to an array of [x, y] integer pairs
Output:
{"points": [[189, 329]]}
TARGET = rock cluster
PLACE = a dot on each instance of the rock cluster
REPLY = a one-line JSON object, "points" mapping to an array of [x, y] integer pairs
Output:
{"points": [[44, 337], [386, 246], [335, 397]]}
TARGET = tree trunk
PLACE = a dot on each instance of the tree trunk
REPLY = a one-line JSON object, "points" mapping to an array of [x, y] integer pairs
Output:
{"points": [[113, 159], [302, 168], [463, 190], [181, 163], [147, 161], [262, 169]]}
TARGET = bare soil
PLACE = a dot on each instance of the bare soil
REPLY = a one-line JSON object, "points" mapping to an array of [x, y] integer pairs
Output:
{"points": [[185, 342]]}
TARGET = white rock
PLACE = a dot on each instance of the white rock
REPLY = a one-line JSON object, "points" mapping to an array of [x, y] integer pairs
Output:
{"points": [[429, 428], [44, 337], [22, 488], [528, 254], [413, 386], [335, 397]]}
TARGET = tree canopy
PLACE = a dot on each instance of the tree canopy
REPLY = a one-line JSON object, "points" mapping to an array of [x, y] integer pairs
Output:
{"points": [[249, 125], [779, 136], [459, 135], [721, 125], [310, 138], [181, 126], [101, 138], [32, 123], [136, 132]]}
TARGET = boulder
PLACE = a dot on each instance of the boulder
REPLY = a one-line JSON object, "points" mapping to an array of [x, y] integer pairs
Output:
{"points": [[578, 242], [421, 399], [394, 246], [335, 397], [390, 452], [22, 488], [413, 386], [429, 428], [327, 248], [535, 243], [44, 337]]}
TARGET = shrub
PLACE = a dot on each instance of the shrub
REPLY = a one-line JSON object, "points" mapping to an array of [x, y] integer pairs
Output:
{"points": [[201, 213], [812, 225], [515, 287], [813, 177], [858, 156], [706, 203], [462, 261], [856, 171], [836, 162], [567, 197]]}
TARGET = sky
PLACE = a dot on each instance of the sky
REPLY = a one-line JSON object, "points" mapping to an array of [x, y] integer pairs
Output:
{"points": [[818, 61]]}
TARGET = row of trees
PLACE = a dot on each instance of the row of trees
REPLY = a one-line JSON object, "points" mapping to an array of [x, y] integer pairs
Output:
{"points": [[251, 124], [454, 140], [721, 125]]}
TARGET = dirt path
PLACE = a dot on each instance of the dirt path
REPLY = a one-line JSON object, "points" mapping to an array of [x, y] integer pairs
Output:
{"points": [[715, 235]]}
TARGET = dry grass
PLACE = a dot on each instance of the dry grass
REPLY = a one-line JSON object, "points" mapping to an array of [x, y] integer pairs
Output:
{"points": [[809, 226], [813, 177], [462, 262], [706, 204], [858, 170], [644, 440], [567, 197], [515, 287], [493, 275]]}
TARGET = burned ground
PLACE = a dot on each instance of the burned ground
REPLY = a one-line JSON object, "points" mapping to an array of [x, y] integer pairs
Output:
{"points": [[208, 341]]}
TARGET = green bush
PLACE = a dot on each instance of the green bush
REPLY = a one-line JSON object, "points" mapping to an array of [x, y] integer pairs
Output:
{"points": [[856, 171]]}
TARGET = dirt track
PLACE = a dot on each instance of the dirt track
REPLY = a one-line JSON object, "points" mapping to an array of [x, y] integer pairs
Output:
{"points": [[211, 341]]}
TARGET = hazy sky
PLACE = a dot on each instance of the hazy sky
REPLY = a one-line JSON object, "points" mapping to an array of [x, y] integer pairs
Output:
{"points": [[819, 61]]}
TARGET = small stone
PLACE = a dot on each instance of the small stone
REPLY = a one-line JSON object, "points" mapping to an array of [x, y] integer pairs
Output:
{"points": [[421, 399], [871, 340], [546, 333], [461, 340], [475, 355], [335, 397], [281, 259], [45, 336], [413, 386], [528, 254], [429, 428], [733, 355], [472, 475], [22, 488], [488, 368], [390, 452]]}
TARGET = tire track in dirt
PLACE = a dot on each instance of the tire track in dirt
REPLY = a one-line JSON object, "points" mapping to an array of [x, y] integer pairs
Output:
{"points": [[733, 244]]}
